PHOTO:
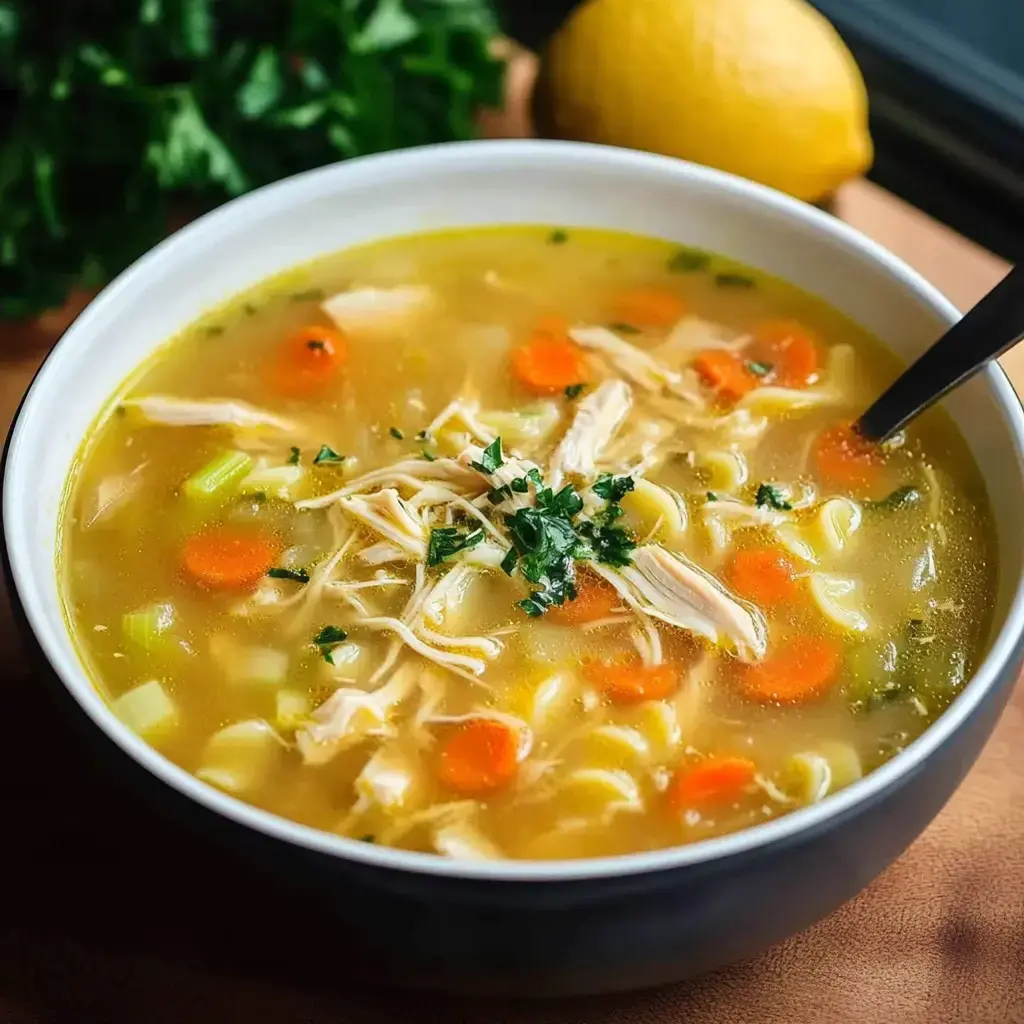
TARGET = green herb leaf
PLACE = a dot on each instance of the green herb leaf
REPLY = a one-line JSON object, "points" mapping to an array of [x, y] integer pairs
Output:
{"points": [[293, 458], [428, 455], [613, 489], [772, 497], [447, 541], [558, 237], [295, 575], [901, 498], [309, 295], [389, 27], [197, 27], [491, 460], [421, 435], [759, 369], [734, 281], [574, 390], [327, 456], [686, 261], [327, 639], [711, 496], [368, 838], [396, 434], [263, 88], [624, 328]]}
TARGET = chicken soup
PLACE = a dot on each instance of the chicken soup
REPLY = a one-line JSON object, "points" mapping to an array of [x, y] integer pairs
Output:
{"points": [[524, 543]]}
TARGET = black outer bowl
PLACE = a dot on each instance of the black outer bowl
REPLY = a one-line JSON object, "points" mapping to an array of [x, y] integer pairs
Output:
{"points": [[568, 937]]}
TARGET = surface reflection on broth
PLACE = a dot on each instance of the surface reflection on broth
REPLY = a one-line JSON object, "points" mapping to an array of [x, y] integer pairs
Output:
{"points": [[524, 543]]}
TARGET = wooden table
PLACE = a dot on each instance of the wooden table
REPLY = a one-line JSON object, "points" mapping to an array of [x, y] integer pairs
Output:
{"points": [[108, 916]]}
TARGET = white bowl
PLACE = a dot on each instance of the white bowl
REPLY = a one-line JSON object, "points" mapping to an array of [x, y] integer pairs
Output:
{"points": [[507, 183]]}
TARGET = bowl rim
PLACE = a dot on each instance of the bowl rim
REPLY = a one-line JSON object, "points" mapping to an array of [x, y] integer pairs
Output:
{"points": [[75, 680]]}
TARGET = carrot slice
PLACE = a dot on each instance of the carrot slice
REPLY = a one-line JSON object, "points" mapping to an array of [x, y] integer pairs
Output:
{"points": [[227, 558], [764, 576], [718, 780], [553, 325], [848, 460], [630, 682], [725, 373], [480, 755], [791, 352], [801, 670], [595, 599], [308, 360], [648, 307], [549, 364]]}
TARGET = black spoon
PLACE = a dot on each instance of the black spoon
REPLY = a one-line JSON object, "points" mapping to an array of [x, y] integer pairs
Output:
{"points": [[984, 333]]}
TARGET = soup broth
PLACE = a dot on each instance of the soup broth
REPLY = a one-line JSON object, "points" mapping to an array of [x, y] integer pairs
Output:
{"points": [[524, 543]]}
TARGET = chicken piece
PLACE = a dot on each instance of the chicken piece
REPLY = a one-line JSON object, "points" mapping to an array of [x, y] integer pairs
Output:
{"points": [[630, 361], [214, 412], [692, 335], [388, 514], [598, 418], [388, 781], [511, 469], [669, 587], [463, 841], [349, 716], [378, 310], [382, 553], [462, 413]]}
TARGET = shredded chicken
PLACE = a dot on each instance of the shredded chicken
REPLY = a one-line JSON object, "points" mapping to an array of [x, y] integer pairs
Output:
{"points": [[668, 587], [214, 412], [692, 335], [371, 310], [598, 418], [388, 515], [382, 553], [463, 412], [632, 362]]}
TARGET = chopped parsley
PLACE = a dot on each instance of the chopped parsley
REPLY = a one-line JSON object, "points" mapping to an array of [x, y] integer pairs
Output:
{"points": [[734, 281], [759, 369], [447, 541], [558, 237], [574, 390], [293, 458], [428, 455], [491, 460], [215, 331], [422, 435], [327, 456], [250, 308], [624, 328], [687, 261], [327, 639], [613, 488], [368, 838], [902, 497], [295, 575], [396, 434], [309, 295], [711, 496], [772, 497], [316, 344]]}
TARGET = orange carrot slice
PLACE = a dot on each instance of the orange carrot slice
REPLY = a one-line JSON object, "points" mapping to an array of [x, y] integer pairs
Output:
{"points": [[801, 670], [764, 576], [481, 755], [725, 373], [631, 682], [547, 364], [648, 307], [227, 558], [791, 352], [718, 780], [595, 599], [847, 460], [308, 360]]}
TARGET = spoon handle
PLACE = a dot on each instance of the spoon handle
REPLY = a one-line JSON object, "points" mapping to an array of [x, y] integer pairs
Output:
{"points": [[994, 325]]}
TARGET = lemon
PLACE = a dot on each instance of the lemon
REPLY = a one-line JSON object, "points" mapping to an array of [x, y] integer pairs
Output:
{"points": [[762, 88]]}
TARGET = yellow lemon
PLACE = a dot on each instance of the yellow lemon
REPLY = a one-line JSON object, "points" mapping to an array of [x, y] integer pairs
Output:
{"points": [[763, 88]]}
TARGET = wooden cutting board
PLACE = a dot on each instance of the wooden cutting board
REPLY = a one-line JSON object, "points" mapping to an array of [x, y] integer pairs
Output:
{"points": [[110, 917]]}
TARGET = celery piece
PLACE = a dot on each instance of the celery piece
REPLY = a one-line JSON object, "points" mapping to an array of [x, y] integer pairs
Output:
{"points": [[275, 481], [148, 711], [217, 476], [149, 628]]}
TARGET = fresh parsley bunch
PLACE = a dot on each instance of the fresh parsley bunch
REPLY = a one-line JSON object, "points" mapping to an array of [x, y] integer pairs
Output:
{"points": [[117, 114]]}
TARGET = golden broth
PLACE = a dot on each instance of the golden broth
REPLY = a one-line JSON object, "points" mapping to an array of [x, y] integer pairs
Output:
{"points": [[895, 591]]}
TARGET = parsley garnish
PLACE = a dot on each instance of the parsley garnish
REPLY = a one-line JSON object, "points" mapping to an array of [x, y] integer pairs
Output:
{"points": [[327, 456], [293, 459], [772, 497], [902, 497], [421, 435], [759, 369], [624, 328], [295, 575], [327, 639], [613, 488], [686, 261], [396, 434], [574, 390], [368, 838], [428, 455], [447, 541], [309, 295], [316, 344], [558, 237], [734, 281], [711, 496], [491, 460]]}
